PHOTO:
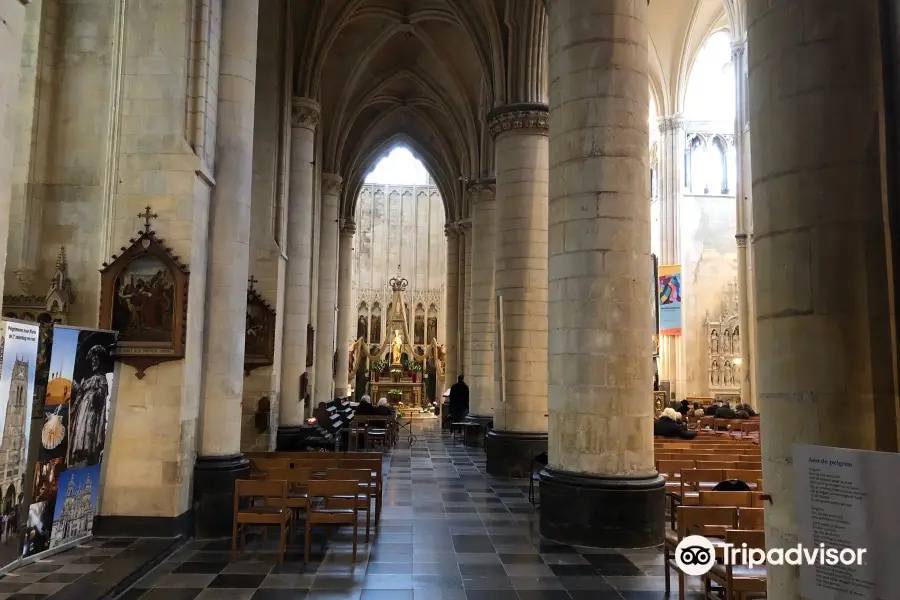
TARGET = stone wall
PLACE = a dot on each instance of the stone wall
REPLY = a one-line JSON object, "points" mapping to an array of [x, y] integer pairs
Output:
{"points": [[708, 267], [399, 225]]}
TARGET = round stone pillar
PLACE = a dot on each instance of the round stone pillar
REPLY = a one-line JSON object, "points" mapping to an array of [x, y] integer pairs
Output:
{"points": [[601, 487], [825, 373], [467, 324], [327, 284], [345, 309], [12, 15], [464, 229], [481, 329], [520, 414], [219, 462], [451, 307], [304, 119]]}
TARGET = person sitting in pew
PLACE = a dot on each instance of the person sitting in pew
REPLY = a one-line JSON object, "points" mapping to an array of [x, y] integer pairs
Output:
{"points": [[725, 412], [749, 409], [712, 408], [683, 408], [741, 414], [667, 426]]}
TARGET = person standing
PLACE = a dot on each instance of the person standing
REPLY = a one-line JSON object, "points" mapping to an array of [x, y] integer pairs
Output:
{"points": [[459, 400]]}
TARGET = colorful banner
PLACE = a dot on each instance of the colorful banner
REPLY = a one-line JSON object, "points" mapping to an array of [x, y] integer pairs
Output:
{"points": [[18, 361], [670, 300], [73, 437]]}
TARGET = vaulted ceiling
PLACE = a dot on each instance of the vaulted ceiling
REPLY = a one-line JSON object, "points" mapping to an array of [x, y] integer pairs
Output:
{"points": [[426, 72]]}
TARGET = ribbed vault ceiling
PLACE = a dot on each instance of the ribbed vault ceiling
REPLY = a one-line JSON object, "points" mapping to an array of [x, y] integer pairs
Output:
{"points": [[425, 72]]}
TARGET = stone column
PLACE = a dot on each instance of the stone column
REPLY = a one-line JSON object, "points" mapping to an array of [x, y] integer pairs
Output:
{"points": [[467, 324], [464, 228], [825, 374], [327, 287], [481, 330], [304, 119], [671, 184], [601, 487], [12, 16], [742, 233], [451, 309], [520, 415], [345, 312], [219, 461]]}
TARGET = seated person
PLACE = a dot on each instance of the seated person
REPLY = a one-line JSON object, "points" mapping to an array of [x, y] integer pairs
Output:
{"points": [[712, 408], [699, 413], [725, 412], [667, 426], [683, 407], [365, 406], [384, 408], [741, 414], [749, 409]]}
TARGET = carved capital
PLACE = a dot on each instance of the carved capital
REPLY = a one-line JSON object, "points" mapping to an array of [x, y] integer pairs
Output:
{"points": [[331, 184], [464, 226], [483, 190], [533, 118], [348, 228], [741, 239], [737, 50], [673, 123], [451, 231], [305, 113]]}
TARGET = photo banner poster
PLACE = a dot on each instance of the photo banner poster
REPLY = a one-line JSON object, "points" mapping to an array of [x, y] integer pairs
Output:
{"points": [[670, 300], [73, 438], [18, 362]]}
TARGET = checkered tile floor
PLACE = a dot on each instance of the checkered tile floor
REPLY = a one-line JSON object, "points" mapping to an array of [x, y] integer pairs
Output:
{"points": [[44, 578], [448, 532]]}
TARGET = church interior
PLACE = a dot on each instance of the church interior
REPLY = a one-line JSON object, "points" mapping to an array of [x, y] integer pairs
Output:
{"points": [[448, 299]]}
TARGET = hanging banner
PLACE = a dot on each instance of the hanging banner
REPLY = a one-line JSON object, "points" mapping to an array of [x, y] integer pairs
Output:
{"points": [[73, 438], [670, 300], [18, 361]]}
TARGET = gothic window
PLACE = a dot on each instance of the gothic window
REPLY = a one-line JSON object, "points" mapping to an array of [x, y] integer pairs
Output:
{"points": [[718, 164], [710, 94], [375, 335]]}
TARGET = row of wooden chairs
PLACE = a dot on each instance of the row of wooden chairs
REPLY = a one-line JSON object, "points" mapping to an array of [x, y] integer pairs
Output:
{"points": [[319, 463], [374, 430], [721, 523]]}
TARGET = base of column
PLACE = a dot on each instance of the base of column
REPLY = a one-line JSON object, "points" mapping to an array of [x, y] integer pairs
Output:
{"points": [[602, 512], [510, 453], [214, 478], [485, 420], [289, 438]]}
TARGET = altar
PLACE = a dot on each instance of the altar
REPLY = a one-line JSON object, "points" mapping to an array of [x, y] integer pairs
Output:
{"points": [[411, 393]]}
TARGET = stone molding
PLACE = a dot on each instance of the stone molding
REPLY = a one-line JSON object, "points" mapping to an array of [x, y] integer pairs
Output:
{"points": [[476, 188], [305, 113], [526, 117], [451, 230], [464, 226], [348, 228], [331, 184], [741, 239], [737, 50], [673, 123]]}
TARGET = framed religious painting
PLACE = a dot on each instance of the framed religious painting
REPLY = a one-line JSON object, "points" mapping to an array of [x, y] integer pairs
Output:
{"points": [[143, 296], [259, 340]]}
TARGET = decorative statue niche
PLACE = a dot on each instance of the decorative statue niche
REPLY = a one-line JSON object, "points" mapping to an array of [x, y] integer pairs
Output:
{"points": [[362, 323], [419, 329], [143, 296], [432, 325], [259, 340], [53, 307]]}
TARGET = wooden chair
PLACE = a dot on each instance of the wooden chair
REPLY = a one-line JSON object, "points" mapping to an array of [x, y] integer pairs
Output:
{"points": [[694, 520], [738, 581], [297, 481], [259, 465], [321, 510], [748, 427], [749, 476], [736, 499], [752, 519], [273, 511], [377, 468], [363, 498]]}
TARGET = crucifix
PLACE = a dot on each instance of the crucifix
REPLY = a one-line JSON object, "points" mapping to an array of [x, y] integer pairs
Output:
{"points": [[147, 215], [252, 281]]}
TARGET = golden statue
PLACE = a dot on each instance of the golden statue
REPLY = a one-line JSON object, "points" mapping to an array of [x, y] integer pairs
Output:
{"points": [[395, 348]]}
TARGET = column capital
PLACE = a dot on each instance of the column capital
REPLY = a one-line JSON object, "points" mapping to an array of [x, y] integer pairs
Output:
{"points": [[464, 226], [671, 123], [480, 186], [451, 230], [331, 184], [348, 228], [525, 117], [305, 113], [738, 47], [742, 239]]}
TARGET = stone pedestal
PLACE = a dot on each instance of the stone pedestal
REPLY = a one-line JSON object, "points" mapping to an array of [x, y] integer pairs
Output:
{"points": [[481, 315], [600, 487], [520, 414], [327, 288], [304, 119], [451, 307], [345, 314], [825, 363], [219, 462]]}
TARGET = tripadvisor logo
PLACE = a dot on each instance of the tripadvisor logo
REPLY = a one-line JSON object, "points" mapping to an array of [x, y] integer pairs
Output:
{"points": [[695, 555]]}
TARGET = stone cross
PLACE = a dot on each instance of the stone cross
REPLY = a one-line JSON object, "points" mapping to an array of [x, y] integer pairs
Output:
{"points": [[252, 281], [147, 215]]}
